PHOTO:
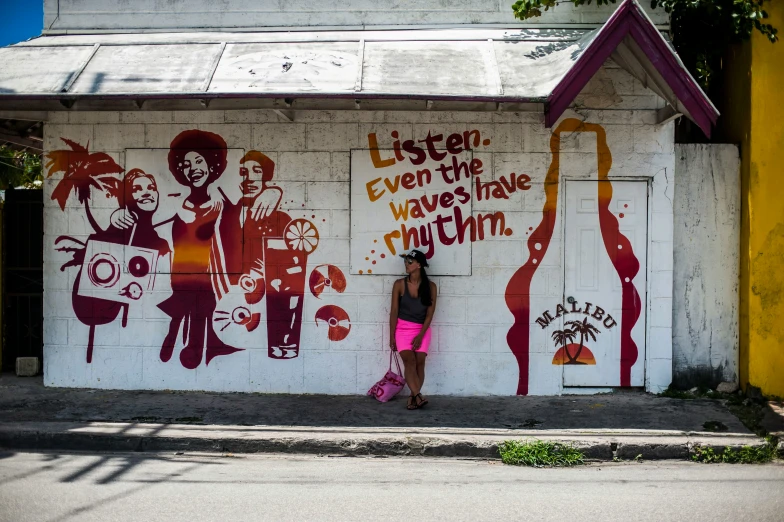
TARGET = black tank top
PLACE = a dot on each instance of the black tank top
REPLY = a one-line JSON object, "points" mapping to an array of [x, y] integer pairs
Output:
{"points": [[410, 308]]}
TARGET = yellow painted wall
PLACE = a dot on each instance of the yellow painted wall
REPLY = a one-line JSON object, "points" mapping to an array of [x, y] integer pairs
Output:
{"points": [[735, 127], [762, 270]]}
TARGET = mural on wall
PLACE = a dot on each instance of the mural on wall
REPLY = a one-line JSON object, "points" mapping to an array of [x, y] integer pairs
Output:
{"points": [[83, 172], [325, 279], [419, 194], [221, 255], [617, 246], [199, 234]]}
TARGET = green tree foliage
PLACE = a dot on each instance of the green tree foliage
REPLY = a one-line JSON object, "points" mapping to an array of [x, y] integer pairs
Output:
{"points": [[701, 30], [19, 168]]}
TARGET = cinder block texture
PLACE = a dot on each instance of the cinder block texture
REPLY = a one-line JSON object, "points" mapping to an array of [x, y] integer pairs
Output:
{"points": [[27, 366], [169, 301]]}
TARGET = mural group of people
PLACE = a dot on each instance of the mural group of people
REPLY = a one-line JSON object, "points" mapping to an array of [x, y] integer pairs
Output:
{"points": [[224, 255]]}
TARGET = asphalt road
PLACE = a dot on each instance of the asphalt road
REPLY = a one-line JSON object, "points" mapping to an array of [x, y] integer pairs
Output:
{"points": [[196, 488]]}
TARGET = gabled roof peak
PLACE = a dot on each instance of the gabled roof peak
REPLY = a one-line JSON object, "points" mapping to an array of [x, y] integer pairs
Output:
{"points": [[634, 43]]}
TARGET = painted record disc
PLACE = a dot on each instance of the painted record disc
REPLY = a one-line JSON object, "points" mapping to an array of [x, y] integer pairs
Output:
{"points": [[327, 276], [338, 322]]}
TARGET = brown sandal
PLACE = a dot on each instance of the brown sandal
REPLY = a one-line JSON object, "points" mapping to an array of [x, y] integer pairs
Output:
{"points": [[421, 401], [412, 403]]}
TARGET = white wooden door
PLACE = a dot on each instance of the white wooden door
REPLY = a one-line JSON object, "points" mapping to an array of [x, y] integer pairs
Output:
{"points": [[603, 336]]}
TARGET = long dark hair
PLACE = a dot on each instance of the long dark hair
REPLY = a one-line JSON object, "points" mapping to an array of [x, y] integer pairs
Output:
{"points": [[424, 288]]}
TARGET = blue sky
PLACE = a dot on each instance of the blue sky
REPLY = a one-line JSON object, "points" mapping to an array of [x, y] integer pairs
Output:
{"points": [[20, 20]]}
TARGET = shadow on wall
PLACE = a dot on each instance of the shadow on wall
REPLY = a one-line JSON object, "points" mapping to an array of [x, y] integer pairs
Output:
{"points": [[701, 377]]}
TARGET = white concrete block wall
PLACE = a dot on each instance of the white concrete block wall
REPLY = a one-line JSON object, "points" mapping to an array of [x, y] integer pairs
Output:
{"points": [[469, 354], [706, 264], [179, 15]]}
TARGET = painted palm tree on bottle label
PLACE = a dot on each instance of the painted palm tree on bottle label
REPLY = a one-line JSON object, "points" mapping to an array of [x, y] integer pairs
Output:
{"points": [[563, 338], [586, 331]]}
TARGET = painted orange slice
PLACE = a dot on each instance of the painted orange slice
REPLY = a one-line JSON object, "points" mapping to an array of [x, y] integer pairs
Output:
{"points": [[301, 235]]}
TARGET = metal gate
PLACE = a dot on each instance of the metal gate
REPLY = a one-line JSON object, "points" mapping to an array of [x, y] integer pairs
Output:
{"points": [[23, 230]]}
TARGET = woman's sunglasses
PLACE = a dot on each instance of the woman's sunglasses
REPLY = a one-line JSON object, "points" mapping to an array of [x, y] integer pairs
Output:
{"points": [[409, 260]]}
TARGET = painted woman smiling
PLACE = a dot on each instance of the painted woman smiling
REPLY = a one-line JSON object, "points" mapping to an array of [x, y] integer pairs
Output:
{"points": [[196, 160]]}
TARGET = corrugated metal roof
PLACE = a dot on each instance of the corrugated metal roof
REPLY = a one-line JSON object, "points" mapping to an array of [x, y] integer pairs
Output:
{"points": [[146, 69], [36, 70], [423, 68], [287, 68], [463, 65], [515, 65]]}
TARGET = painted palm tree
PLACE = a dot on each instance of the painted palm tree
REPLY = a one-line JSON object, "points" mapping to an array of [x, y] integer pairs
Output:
{"points": [[586, 331], [562, 338], [82, 172]]}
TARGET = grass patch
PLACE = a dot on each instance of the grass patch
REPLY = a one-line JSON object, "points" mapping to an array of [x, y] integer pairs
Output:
{"points": [[539, 454], [745, 455], [750, 410]]}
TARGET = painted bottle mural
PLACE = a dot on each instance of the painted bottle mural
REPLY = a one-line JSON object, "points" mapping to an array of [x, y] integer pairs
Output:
{"points": [[519, 292]]}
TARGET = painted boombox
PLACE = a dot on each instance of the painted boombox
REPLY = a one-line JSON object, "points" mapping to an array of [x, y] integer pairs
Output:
{"points": [[115, 272]]}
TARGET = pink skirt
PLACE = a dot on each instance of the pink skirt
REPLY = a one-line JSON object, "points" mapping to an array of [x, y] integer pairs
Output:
{"points": [[405, 331]]}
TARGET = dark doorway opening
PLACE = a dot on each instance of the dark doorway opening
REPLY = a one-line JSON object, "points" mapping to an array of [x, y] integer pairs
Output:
{"points": [[23, 261]]}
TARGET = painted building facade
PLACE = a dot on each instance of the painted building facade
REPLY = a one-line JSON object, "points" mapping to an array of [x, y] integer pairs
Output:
{"points": [[252, 244]]}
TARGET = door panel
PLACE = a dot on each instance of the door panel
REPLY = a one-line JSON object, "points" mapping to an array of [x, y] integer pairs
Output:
{"points": [[593, 290], [588, 259]]}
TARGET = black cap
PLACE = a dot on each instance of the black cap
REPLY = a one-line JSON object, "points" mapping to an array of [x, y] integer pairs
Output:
{"points": [[417, 256]]}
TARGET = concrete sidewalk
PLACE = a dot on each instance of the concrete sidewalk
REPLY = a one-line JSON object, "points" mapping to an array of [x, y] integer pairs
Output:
{"points": [[621, 425]]}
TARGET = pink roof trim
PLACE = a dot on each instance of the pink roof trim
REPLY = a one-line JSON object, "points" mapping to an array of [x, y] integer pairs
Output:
{"points": [[630, 19]]}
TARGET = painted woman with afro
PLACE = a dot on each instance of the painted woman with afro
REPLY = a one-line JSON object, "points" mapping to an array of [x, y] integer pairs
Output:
{"points": [[197, 159]]}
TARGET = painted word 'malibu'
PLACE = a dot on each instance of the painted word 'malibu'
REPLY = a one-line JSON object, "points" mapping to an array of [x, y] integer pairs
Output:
{"points": [[598, 313]]}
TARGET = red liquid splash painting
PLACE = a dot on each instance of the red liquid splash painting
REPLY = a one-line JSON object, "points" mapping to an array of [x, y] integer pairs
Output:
{"points": [[626, 264]]}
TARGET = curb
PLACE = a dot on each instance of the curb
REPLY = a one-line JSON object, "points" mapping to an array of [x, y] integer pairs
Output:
{"points": [[601, 445]]}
